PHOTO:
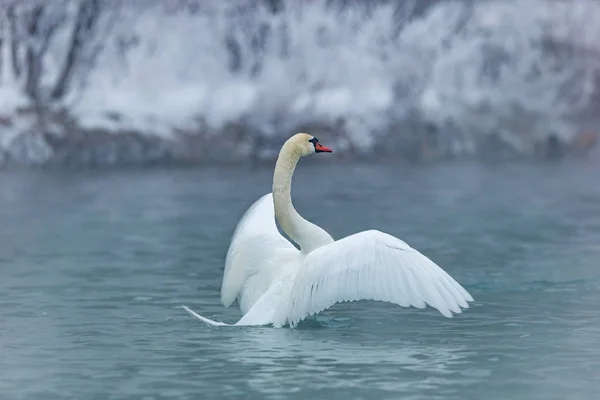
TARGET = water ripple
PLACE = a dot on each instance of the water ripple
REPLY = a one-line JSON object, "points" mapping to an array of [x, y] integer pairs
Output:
{"points": [[93, 309]]}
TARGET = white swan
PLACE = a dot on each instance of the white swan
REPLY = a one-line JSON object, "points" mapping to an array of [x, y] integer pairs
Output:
{"points": [[277, 284]]}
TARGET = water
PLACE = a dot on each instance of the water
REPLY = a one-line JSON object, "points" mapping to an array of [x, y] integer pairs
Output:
{"points": [[95, 266]]}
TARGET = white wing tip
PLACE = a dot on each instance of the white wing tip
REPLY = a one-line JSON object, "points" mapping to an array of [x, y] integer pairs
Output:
{"points": [[458, 308]]}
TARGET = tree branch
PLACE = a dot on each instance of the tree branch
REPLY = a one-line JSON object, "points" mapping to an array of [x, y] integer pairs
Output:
{"points": [[87, 17]]}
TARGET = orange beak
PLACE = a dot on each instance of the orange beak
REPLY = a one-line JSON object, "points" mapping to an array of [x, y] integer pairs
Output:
{"points": [[322, 149]]}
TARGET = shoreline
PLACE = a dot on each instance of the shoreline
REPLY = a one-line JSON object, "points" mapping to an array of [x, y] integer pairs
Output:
{"points": [[50, 139]]}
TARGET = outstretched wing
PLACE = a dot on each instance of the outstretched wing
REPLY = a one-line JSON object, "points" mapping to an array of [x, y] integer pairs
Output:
{"points": [[255, 247], [372, 265]]}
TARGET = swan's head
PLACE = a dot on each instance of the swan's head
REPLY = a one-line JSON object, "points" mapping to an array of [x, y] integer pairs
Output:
{"points": [[307, 144]]}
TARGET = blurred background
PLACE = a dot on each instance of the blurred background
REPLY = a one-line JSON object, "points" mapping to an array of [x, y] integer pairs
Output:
{"points": [[106, 82], [134, 134]]}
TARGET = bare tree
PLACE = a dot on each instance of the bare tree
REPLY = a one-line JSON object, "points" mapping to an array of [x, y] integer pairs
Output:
{"points": [[40, 23], [84, 27], [8, 41], [29, 29]]}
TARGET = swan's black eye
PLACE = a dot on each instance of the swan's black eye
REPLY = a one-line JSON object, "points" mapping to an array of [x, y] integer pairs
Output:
{"points": [[314, 141]]}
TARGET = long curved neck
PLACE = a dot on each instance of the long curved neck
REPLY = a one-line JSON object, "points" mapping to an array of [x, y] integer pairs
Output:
{"points": [[306, 234]]}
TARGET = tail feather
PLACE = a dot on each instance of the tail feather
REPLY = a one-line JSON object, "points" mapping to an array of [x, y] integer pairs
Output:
{"points": [[203, 319]]}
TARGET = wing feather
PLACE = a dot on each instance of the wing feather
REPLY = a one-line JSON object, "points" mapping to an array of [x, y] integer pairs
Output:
{"points": [[372, 265], [255, 248]]}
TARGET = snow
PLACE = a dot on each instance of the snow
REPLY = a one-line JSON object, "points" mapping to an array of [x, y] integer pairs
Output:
{"points": [[160, 72]]}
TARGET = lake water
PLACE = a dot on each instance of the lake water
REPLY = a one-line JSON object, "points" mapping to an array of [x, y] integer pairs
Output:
{"points": [[94, 268]]}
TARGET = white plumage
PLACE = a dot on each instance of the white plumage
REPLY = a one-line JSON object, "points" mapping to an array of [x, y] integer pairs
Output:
{"points": [[372, 265], [255, 255], [277, 284]]}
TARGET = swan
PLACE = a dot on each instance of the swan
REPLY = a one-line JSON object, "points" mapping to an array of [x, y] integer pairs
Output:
{"points": [[277, 284]]}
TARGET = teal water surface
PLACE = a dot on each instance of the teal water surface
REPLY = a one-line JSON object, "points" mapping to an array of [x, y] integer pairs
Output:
{"points": [[95, 265]]}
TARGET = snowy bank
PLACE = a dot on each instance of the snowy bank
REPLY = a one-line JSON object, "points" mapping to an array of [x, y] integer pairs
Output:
{"points": [[227, 81]]}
